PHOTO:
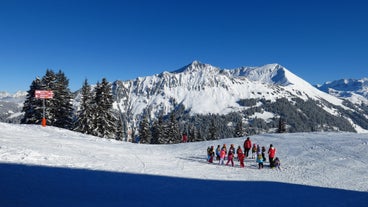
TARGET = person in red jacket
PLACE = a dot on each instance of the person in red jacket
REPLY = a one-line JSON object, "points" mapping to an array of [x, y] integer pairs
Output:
{"points": [[247, 147], [271, 155], [240, 157]]}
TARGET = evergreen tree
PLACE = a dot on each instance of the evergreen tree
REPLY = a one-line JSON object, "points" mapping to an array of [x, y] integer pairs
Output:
{"points": [[49, 83], [120, 129], [85, 116], [239, 131], [282, 126], [105, 121], [32, 107], [173, 130], [62, 106], [212, 130], [157, 132], [145, 131]]}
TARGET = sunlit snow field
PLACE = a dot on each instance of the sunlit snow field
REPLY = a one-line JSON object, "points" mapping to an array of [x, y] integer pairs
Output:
{"points": [[47, 166]]}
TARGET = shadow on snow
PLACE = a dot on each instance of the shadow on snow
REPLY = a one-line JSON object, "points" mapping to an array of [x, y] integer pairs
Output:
{"points": [[26, 185]]}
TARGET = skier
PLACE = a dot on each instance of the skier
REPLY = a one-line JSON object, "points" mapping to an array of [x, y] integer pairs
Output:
{"points": [[218, 150], [247, 146], [277, 163], [222, 156], [264, 153], [230, 158], [239, 150], [232, 149], [271, 155], [254, 151], [211, 154], [241, 157], [259, 159]]}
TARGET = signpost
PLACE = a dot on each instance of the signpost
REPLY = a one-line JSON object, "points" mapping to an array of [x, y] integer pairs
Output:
{"points": [[44, 94]]}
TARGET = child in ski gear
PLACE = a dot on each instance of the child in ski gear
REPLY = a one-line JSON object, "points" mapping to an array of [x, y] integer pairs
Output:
{"points": [[264, 153], [211, 154], [259, 159], [218, 150], [277, 163], [230, 158], [254, 151], [208, 153], [239, 150], [241, 157], [247, 146], [232, 149], [224, 147], [222, 156], [271, 154]]}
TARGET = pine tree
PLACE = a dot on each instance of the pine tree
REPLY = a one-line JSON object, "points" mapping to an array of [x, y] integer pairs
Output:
{"points": [[32, 107], [157, 132], [105, 121], [62, 107], [58, 110], [49, 83], [84, 122], [120, 129], [212, 130], [239, 131], [282, 126], [144, 131], [173, 130]]}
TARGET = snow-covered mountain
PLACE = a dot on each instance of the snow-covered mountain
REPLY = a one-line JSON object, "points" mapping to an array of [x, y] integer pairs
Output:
{"points": [[49, 166], [206, 89], [11, 106], [354, 90]]}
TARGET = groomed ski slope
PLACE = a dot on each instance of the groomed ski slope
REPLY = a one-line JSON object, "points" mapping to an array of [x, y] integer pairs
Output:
{"points": [[55, 167]]}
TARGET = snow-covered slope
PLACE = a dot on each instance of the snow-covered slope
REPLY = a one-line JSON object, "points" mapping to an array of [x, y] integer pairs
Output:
{"points": [[354, 90], [323, 168]]}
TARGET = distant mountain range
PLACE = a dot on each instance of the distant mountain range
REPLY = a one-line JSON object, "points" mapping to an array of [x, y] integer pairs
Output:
{"points": [[260, 96], [354, 90], [11, 106]]}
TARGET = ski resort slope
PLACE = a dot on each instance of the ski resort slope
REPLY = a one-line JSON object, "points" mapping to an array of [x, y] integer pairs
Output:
{"points": [[55, 167]]}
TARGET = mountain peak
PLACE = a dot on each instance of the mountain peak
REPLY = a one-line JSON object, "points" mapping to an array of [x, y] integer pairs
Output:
{"points": [[196, 66]]}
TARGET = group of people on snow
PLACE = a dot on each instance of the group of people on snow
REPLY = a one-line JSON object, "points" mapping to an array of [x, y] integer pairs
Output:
{"points": [[258, 153]]}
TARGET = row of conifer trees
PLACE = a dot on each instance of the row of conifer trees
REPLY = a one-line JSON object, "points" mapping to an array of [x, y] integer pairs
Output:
{"points": [[93, 116]]}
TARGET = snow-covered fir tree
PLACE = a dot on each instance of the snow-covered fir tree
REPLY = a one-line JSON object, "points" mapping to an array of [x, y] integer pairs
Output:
{"points": [[48, 83], [58, 110], [212, 131], [120, 129], [145, 131], [172, 130], [105, 121], [157, 131], [239, 130], [85, 115], [32, 107], [62, 106]]}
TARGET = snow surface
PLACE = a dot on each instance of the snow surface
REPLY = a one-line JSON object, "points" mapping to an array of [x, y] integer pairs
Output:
{"points": [[48, 166]]}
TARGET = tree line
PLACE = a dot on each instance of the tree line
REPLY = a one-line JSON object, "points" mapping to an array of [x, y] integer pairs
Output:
{"points": [[94, 115]]}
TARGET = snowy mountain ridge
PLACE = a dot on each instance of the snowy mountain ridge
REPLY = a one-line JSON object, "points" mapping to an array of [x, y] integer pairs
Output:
{"points": [[354, 90], [206, 89]]}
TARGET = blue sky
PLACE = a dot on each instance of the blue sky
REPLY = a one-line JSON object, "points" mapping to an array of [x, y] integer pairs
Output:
{"points": [[120, 40]]}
